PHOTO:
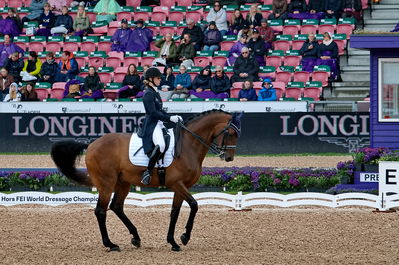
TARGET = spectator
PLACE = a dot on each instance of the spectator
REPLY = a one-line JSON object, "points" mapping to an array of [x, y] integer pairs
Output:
{"points": [[212, 37], [297, 9], [5, 81], [145, 68], [106, 10], [245, 30], [36, 8], [150, 3], [131, 84], [352, 8], [14, 65], [333, 8], [196, 34], [57, 5], [266, 33], [182, 84], [267, 93], [202, 84], [316, 9], [235, 51], [257, 47], [28, 93], [12, 24], [46, 21], [168, 51], [186, 51], [167, 83], [68, 68], [121, 37], [237, 21], [247, 93], [279, 9], [49, 69], [13, 95], [309, 53], [254, 17], [328, 55], [220, 84], [8, 48], [140, 38], [32, 67], [218, 15], [81, 24], [245, 67], [72, 89], [92, 85], [63, 23]]}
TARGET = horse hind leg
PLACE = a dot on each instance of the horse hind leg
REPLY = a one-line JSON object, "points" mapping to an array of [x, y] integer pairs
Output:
{"points": [[120, 194], [101, 214]]}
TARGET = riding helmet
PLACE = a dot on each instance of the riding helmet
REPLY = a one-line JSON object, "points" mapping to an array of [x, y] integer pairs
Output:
{"points": [[152, 72]]}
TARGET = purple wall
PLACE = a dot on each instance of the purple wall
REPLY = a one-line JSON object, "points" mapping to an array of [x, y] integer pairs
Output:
{"points": [[382, 134]]}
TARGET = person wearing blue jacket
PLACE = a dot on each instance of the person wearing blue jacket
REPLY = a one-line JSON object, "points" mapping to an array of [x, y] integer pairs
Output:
{"points": [[182, 84], [267, 93], [247, 93]]}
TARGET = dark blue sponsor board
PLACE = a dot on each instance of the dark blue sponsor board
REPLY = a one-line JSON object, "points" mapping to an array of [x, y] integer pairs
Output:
{"points": [[262, 133]]}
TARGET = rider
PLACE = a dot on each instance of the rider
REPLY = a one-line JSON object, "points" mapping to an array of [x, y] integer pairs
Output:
{"points": [[153, 141]]}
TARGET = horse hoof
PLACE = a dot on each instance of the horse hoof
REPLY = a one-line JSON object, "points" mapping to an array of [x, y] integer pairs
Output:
{"points": [[184, 239], [114, 248], [136, 242], [176, 248]]}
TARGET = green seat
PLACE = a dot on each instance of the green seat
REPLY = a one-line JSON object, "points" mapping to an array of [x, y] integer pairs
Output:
{"points": [[138, 99], [322, 68], [287, 68], [105, 69], [153, 24], [284, 37], [301, 37], [232, 99], [44, 85], [50, 99], [105, 38], [314, 84], [113, 86], [229, 37], [214, 99], [292, 22], [307, 99], [341, 36], [196, 99], [205, 53], [347, 20], [55, 39], [292, 53], [133, 54], [295, 84], [169, 24], [38, 38], [288, 99], [144, 9], [69, 99], [221, 53], [150, 54], [127, 8], [178, 9], [101, 54], [73, 39], [90, 38], [266, 7], [123, 99], [276, 53], [310, 22], [87, 99], [328, 21], [178, 99]]}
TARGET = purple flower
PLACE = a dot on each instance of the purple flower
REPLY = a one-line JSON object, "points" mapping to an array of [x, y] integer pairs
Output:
{"points": [[277, 181]]}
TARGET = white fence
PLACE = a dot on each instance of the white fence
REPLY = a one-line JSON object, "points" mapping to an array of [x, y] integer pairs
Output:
{"points": [[237, 201]]}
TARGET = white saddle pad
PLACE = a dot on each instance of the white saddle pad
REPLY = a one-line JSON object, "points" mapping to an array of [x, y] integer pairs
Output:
{"points": [[141, 159]]}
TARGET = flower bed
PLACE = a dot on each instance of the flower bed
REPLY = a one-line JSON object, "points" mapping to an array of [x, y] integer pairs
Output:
{"points": [[230, 178]]}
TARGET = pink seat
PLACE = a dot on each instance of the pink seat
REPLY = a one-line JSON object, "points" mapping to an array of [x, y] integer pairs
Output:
{"points": [[104, 46], [54, 46], [119, 55], [113, 62], [147, 60], [238, 85], [42, 93], [91, 16], [284, 77], [71, 46], [110, 94], [219, 60], [291, 30], [312, 92], [57, 93], [161, 9], [292, 60], [59, 85], [297, 44], [280, 89], [293, 92], [226, 45], [326, 28], [82, 61], [301, 76], [194, 15], [184, 2], [307, 29], [321, 76], [105, 77], [165, 30], [14, 3], [234, 91], [119, 74], [158, 16], [36, 46], [341, 46], [99, 31], [345, 29], [131, 60], [141, 15], [88, 46], [282, 45], [134, 3], [275, 61], [96, 61], [202, 61], [123, 15], [176, 16], [168, 3]]}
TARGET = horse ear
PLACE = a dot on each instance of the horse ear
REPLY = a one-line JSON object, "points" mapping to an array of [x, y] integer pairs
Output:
{"points": [[238, 116]]}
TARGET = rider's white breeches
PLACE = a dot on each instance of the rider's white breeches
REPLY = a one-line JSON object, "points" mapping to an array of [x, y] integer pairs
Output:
{"points": [[157, 136]]}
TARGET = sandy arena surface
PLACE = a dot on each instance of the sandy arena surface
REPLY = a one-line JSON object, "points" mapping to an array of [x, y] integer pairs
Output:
{"points": [[69, 235], [44, 161]]}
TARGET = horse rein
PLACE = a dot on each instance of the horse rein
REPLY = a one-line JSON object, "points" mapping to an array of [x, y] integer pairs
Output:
{"points": [[218, 150]]}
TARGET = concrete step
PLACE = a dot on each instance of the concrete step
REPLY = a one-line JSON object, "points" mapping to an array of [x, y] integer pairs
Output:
{"points": [[391, 13], [353, 51], [378, 28], [350, 92], [356, 76], [356, 68], [362, 60], [386, 3], [352, 84], [381, 22]]}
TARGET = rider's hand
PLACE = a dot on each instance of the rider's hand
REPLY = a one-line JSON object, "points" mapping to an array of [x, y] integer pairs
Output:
{"points": [[176, 118]]}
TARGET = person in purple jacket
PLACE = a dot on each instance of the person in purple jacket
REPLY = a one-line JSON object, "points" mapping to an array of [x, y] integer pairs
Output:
{"points": [[140, 38], [7, 49], [121, 37], [247, 93], [235, 51]]}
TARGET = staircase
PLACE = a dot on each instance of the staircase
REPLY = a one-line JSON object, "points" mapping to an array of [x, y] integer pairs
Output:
{"points": [[355, 71]]}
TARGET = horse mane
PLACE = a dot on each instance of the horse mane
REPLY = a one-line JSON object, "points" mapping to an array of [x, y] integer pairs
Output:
{"points": [[191, 119]]}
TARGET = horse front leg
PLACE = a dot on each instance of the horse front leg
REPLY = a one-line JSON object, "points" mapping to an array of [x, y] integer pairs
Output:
{"points": [[185, 194], [174, 215]]}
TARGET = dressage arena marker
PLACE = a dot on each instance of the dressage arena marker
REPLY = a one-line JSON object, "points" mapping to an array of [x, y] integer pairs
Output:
{"points": [[237, 202]]}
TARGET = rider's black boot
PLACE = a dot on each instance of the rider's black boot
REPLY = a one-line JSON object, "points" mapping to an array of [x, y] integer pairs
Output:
{"points": [[154, 157]]}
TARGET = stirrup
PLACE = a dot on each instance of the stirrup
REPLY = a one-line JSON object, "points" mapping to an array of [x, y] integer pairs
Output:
{"points": [[146, 177]]}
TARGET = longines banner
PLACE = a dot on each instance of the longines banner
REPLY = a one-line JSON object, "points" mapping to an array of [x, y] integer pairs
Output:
{"points": [[262, 133], [137, 107]]}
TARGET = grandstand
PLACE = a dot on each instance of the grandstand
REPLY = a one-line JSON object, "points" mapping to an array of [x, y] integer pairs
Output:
{"points": [[282, 63]]}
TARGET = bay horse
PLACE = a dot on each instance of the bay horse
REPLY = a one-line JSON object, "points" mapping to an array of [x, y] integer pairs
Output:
{"points": [[110, 170]]}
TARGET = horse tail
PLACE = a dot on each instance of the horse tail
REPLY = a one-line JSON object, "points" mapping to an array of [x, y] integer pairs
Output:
{"points": [[64, 155]]}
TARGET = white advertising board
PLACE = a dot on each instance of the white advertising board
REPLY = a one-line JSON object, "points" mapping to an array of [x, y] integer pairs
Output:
{"points": [[388, 181]]}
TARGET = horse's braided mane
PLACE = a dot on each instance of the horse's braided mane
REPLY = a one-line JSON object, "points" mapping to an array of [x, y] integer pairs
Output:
{"points": [[202, 114]]}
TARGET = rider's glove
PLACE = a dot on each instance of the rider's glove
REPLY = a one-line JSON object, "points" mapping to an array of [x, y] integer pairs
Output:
{"points": [[176, 118]]}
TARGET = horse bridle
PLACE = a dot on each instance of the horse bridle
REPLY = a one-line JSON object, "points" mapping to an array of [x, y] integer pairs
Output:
{"points": [[218, 150]]}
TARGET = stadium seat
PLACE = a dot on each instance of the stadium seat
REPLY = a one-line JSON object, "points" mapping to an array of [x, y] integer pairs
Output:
{"points": [[54, 44], [88, 46], [158, 16], [291, 27], [59, 85], [41, 89], [293, 92], [105, 77], [226, 45], [327, 25], [57, 93], [97, 59], [313, 90], [176, 16], [71, 43], [165, 30], [194, 15], [234, 91], [36, 46], [131, 60], [123, 15], [275, 61], [321, 73], [119, 74], [104, 46], [282, 42], [168, 3], [280, 89], [114, 62], [202, 61], [307, 29], [345, 29], [219, 60], [267, 71], [292, 60], [301, 76], [184, 2], [81, 57], [134, 3], [15, 3], [284, 77]]}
